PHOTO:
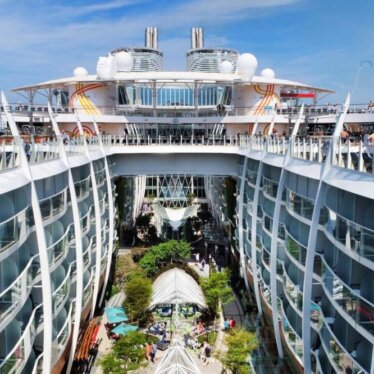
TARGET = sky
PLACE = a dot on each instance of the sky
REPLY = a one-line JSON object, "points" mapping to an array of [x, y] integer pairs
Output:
{"points": [[323, 43]]}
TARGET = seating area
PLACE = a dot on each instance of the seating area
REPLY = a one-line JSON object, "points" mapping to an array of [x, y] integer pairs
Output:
{"points": [[87, 341]]}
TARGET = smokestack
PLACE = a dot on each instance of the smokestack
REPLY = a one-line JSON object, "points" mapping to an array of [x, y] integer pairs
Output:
{"points": [[151, 37], [197, 38]]}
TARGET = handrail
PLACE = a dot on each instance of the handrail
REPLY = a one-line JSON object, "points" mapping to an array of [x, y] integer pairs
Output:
{"points": [[12, 352]]}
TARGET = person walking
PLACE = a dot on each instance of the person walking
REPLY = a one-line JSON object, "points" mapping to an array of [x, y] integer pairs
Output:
{"points": [[153, 352], [232, 323]]}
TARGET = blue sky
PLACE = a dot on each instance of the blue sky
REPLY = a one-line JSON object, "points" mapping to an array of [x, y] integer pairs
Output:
{"points": [[318, 42]]}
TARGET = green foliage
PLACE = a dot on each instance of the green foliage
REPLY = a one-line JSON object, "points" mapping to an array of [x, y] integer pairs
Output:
{"points": [[114, 290], [210, 337], [127, 354], [172, 250], [138, 295], [216, 288], [240, 343]]}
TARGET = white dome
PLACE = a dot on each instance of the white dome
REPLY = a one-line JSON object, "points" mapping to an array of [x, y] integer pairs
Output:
{"points": [[246, 66], [268, 73], [225, 67], [124, 61], [80, 72]]}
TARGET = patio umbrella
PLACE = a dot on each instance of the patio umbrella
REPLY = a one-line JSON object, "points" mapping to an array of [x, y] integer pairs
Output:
{"points": [[123, 329], [115, 315]]}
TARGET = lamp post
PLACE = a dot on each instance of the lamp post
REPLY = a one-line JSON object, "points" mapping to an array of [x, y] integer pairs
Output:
{"points": [[362, 63]]}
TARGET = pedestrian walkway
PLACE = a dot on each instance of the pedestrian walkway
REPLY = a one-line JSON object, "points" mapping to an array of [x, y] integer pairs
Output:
{"points": [[234, 309]]}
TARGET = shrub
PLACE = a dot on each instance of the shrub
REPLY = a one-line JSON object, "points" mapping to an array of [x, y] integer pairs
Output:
{"points": [[126, 355]]}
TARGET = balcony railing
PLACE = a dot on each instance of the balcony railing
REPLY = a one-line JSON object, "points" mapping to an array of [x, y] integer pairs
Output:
{"points": [[10, 157], [340, 359], [61, 294], [13, 297], [58, 250], [59, 344], [357, 307], [17, 358], [14, 228], [53, 205]]}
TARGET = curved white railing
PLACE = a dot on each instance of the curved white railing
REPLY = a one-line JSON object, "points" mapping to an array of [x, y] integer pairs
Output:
{"points": [[15, 295], [18, 356]]}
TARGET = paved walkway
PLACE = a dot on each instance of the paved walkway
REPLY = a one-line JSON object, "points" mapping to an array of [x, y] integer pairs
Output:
{"points": [[234, 309]]}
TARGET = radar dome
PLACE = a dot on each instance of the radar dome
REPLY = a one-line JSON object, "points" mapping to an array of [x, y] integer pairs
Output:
{"points": [[225, 67], [268, 73], [246, 66], [124, 61], [80, 72]]}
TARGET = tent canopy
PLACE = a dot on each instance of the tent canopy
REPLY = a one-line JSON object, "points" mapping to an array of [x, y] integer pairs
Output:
{"points": [[177, 361], [123, 329], [175, 286], [115, 315]]}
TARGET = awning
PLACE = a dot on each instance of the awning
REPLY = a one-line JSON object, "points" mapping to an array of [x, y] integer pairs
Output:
{"points": [[175, 286], [115, 315], [177, 360], [123, 329]]}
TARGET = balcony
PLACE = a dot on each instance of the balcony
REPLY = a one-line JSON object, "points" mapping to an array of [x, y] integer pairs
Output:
{"points": [[360, 310], [14, 228], [17, 358], [339, 358], [53, 205], [62, 338], [293, 340], [59, 249], [61, 294], [13, 298], [83, 188], [350, 235]]}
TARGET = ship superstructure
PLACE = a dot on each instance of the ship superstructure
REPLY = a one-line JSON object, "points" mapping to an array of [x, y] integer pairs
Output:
{"points": [[302, 226]]}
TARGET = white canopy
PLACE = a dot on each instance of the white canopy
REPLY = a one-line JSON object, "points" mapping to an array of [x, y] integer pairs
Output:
{"points": [[177, 361], [176, 216], [175, 286]]}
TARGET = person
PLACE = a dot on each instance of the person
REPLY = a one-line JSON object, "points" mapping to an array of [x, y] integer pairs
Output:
{"points": [[153, 352], [163, 336], [207, 353], [344, 135], [200, 328], [148, 350], [202, 264], [232, 323], [226, 324]]}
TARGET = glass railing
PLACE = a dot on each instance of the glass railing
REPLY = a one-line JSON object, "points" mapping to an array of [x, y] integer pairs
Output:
{"points": [[61, 294], [357, 307], [86, 221], [11, 229], [87, 291], [17, 358], [102, 204], [14, 296], [295, 295], [341, 360], [100, 177], [53, 205], [83, 188], [357, 238], [299, 205], [251, 177], [58, 250], [59, 344], [269, 187], [38, 365], [293, 340], [296, 250]]}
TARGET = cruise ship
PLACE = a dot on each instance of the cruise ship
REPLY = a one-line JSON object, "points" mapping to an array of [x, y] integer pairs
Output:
{"points": [[288, 181]]}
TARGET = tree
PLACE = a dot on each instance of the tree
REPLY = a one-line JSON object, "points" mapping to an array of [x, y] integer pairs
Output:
{"points": [[172, 250], [240, 343], [138, 292], [216, 288], [126, 355]]}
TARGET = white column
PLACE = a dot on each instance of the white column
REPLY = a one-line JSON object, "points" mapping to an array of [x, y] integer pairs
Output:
{"points": [[78, 243], [312, 239], [111, 212], [240, 223], [97, 222], [42, 246]]}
